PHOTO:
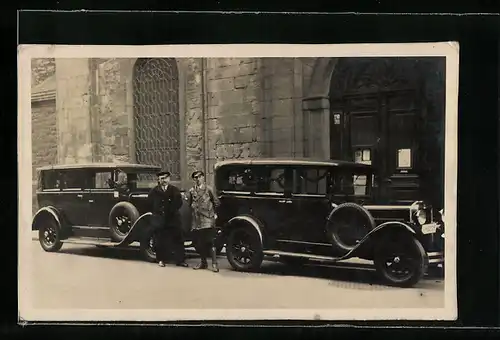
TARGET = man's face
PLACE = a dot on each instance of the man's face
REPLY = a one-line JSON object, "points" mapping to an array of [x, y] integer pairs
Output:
{"points": [[164, 179], [199, 179]]}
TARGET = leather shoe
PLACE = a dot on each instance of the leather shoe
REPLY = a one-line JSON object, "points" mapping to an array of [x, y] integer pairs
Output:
{"points": [[182, 264]]}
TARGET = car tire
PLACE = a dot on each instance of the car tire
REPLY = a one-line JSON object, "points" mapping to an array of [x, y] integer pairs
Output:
{"points": [[125, 212], [146, 248], [49, 236], [354, 219], [405, 254], [246, 240]]}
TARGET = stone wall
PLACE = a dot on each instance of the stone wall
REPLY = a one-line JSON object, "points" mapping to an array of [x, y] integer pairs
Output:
{"points": [[282, 106], [73, 100], [111, 112], [41, 69], [233, 109], [194, 120], [43, 118], [44, 138]]}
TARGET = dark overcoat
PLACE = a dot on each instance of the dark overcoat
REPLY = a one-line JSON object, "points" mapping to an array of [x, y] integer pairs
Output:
{"points": [[165, 206]]}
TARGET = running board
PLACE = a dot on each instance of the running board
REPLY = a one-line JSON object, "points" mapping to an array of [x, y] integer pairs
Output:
{"points": [[434, 258], [90, 241], [309, 256], [102, 242]]}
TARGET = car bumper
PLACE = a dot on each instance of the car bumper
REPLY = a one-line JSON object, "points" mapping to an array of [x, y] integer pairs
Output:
{"points": [[436, 257]]}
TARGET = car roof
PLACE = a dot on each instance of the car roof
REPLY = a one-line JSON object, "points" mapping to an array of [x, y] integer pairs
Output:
{"points": [[134, 166], [292, 161]]}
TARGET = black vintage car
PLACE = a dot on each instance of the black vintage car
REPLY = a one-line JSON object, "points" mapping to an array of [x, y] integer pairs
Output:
{"points": [[99, 204], [306, 210]]}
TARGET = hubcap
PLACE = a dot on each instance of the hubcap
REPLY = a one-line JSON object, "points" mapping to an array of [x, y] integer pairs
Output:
{"points": [[49, 236], [123, 223], [242, 249]]}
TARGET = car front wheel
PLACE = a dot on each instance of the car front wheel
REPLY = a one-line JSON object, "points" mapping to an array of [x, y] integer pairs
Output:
{"points": [[49, 236], [147, 248], [401, 262], [244, 249]]}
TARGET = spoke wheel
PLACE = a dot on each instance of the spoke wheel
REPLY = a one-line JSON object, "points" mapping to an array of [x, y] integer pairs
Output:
{"points": [[148, 249], [401, 262], [123, 225], [244, 250], [49, 236]]}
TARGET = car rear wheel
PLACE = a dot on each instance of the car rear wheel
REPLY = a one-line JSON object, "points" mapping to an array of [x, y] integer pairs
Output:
{"points": [[49, 236], [402, 261], [347, 225], [244, 249], [121, 219]]}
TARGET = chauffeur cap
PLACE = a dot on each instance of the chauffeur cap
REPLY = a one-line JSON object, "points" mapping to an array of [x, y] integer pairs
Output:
{"points": [[196, 173], [163, 173]]}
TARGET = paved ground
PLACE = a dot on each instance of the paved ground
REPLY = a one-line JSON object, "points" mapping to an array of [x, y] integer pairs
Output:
{"points": [[89, 277]]}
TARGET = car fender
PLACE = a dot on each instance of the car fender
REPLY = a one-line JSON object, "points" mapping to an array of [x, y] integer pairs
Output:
{"points": [[48, 211], [140, 227], [248, 220], [364, 246]]}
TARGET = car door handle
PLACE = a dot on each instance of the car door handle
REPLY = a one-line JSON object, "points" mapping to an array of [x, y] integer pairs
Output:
{"points": [[91, 201], [284, 201], [79, 196]]}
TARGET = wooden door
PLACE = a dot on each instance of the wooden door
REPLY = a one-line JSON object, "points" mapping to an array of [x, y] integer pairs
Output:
{"points": [[381, 129]]}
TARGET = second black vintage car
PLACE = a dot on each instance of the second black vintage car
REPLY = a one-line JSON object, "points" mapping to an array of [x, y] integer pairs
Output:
{"points": [[102, 204], [307, 210]]}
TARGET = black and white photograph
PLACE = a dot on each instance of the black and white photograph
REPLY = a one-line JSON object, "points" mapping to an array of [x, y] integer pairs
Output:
{"points": [[238, 182]]}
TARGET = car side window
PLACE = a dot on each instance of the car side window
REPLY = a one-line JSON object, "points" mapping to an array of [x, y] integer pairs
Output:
{"points": [[265, 179], [75, 179], [51, 181], [270, 180], [310, 181], [101, 180]]}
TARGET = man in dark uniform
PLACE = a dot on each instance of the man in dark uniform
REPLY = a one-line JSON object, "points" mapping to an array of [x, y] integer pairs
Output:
{"points": [[165, 201]]}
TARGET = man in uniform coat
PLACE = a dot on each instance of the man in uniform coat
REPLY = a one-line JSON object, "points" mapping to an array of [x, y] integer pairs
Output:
{"points": [[165, 201], [203, 203]]}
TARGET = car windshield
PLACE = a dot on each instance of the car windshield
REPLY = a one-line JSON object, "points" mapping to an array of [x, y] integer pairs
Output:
{"points": [[352, 183]]}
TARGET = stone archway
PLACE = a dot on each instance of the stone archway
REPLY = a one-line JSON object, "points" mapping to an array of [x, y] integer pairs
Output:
{"points": [[316, 109], [404, 92]]}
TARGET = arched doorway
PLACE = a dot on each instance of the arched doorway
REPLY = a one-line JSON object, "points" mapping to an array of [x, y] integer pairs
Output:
{"points": [[156, 113], [383, 114]]}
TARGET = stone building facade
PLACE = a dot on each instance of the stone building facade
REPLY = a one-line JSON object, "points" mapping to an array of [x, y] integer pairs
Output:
{"points": [[186, 114]]}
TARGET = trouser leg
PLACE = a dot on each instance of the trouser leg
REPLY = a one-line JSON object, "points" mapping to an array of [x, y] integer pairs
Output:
{"points": [[211, 244], [178, 245], [162, 248], [201, 247]]}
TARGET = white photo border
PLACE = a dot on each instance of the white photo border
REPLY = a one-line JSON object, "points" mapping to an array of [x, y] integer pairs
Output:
{"points": [[449, 50]]}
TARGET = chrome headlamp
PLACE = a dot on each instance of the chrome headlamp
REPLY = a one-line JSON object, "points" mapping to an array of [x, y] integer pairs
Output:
{"points": [[422, 216]]}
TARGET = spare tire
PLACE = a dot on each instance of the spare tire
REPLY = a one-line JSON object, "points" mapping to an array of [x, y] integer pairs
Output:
{"points": [[347, 224], [121, 218]]}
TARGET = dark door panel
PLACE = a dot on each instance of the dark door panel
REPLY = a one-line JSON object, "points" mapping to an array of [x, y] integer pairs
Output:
{"points": [[100, 204], [75, 206]]}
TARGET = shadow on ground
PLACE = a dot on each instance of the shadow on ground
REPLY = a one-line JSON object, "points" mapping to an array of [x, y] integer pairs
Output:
{"points": [[362, 277]]}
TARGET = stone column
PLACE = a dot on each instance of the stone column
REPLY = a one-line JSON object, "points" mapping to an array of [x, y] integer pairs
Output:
{"points": [[73, 110], [316, 127]]}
